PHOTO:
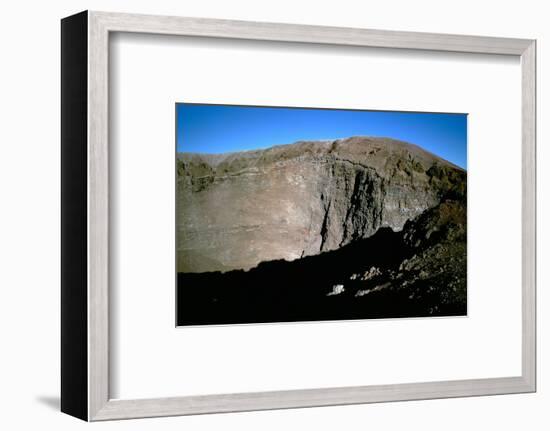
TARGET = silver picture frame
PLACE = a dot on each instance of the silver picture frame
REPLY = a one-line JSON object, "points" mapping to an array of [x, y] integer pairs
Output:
{"points": [[85, 215]]}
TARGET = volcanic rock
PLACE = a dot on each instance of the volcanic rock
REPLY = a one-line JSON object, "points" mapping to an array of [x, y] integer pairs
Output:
{"points": [[236, 210]]}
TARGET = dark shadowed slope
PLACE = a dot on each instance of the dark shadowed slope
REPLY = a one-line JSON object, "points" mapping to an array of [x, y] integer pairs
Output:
{"points": [[419, 271]]}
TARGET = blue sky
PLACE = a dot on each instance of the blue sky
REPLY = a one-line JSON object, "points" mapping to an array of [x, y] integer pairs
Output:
{"points": [[224, 128]]}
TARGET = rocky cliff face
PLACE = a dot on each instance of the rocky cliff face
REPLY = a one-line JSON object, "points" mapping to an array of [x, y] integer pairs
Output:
{"points": [[419, 271], [236, 210]]}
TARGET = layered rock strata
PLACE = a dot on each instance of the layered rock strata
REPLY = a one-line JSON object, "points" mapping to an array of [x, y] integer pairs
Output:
{"points": [[236, 210]]}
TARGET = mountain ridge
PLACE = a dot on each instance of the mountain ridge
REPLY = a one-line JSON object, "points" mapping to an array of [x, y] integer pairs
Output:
{"points": [[214, 159], [238, 209]]}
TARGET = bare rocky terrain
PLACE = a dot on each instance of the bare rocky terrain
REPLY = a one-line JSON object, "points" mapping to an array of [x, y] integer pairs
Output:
{"points": [[239, 209], [346, 229]]}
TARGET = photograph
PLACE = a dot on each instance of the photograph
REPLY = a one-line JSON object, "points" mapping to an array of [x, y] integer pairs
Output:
{"points": [[270, 216], [290, 214]]}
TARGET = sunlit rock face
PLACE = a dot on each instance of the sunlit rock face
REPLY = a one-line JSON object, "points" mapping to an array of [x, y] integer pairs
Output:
{"points": [[236, 210]]}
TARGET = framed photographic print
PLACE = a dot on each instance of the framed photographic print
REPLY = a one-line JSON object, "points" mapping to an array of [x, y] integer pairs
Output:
{"points": [[260, 216]]}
